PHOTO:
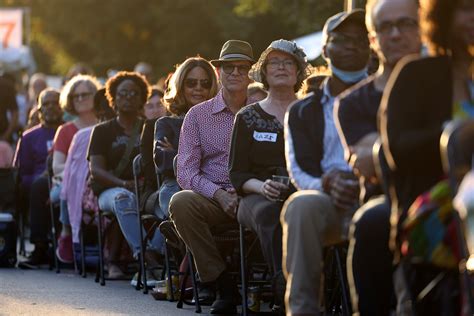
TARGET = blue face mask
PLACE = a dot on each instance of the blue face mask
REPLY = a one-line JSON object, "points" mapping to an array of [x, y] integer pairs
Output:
{"points": [[349, 77]]}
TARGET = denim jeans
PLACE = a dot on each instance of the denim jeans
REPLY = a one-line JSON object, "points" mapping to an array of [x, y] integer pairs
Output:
{"points": [[123, 203], [169, 187]]}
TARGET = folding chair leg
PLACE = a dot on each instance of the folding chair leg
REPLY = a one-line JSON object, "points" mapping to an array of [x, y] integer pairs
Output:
{"points": [[53, 237], [168, 273], [243, 273], [83, 253], [346, 307], [101, 251], [21, 228], [193, 279], [142, 242]]}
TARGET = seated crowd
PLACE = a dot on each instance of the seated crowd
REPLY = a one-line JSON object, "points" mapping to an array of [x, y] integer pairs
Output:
{"points": [[272, 145]]}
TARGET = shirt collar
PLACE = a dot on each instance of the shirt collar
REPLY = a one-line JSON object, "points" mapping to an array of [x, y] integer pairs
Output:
{"points": [[326, 93], [218, 103]]}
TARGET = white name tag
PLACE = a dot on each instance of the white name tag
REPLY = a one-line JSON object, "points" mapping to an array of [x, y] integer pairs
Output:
{"points": [[265, 137]]}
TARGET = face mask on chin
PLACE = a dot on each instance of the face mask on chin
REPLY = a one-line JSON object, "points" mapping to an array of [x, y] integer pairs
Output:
{"points": [[349, 77]]}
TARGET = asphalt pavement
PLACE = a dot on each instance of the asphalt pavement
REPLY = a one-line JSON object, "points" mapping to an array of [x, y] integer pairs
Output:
{"points": [[43, 292]]}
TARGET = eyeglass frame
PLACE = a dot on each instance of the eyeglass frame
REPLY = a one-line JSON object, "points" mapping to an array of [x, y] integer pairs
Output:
{"points": [[285, 63], [344, 39], [77, 97], [402, 29]]}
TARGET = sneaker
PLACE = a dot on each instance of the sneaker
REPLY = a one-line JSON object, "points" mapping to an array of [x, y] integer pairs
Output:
{"points": [[37, 258], [64, 250], [151, 281]]}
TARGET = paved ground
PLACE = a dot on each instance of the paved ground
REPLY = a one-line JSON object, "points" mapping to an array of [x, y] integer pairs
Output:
{"points": [[43, 292]]}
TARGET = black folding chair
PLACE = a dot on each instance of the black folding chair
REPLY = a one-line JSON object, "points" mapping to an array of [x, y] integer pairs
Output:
{"points": [[49, 164]]}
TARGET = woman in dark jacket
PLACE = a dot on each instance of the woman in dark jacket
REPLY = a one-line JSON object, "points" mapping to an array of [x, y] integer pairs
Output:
{"points": [[193, 82]]}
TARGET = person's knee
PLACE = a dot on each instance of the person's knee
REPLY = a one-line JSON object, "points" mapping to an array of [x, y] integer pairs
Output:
{"points": [[179, 206], [124, 202], [303, 207], [371, 219]]}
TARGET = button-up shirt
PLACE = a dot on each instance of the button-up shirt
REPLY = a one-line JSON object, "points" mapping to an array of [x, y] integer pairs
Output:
{"points": [[203, 151]]}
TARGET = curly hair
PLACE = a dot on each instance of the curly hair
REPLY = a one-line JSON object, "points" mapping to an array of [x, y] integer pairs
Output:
{"points": [[65, 99], [436, 23], [174, 100], [112, 84]]}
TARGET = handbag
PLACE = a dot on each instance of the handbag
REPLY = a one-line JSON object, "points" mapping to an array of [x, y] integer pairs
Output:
{"points": [[429, 232]]}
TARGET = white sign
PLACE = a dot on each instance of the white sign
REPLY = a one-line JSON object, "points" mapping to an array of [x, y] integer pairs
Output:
{"points": [[265, 137], [11, 28]]}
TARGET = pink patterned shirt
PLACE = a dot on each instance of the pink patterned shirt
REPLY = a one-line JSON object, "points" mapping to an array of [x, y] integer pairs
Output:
{"points": [[203, 152]]}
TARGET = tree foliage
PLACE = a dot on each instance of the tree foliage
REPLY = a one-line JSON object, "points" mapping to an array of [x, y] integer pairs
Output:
{"points": [[118, 33]]}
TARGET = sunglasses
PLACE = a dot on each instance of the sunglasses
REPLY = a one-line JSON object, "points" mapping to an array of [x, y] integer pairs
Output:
{"points": [[81, 96], [242, 69], [127, 93], [192, 83]]}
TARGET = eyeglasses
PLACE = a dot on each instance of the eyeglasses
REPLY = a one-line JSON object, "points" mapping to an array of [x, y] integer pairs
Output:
{"points": [[192, 83], [127, 93], [403, 25], [242, 69], [275, 63], [48, 105], [343, 39], [81, 96]]}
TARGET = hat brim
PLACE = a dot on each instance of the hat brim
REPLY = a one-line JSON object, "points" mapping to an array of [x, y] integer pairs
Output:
{"points": [[357, 15], [218, 62], [255, 72]]}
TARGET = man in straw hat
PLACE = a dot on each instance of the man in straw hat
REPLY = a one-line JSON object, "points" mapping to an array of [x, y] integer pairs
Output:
{"points": [[208, 198], [315, 217]]}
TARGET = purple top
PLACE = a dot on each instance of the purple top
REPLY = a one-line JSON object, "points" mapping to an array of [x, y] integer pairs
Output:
{"points": [[203, 151], [31, 153]]}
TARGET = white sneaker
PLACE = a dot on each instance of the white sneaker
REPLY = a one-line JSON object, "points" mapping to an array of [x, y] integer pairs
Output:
{"points": [[150, 280]]}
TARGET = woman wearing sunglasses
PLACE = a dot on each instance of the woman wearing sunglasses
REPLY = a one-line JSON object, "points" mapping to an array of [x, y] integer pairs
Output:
{"points": [[193, 82]]}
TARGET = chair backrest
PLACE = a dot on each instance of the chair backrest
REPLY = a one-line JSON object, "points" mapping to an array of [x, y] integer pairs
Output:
{"points": [[457, 150], [175, 165], [382, 169], [137, 165]]}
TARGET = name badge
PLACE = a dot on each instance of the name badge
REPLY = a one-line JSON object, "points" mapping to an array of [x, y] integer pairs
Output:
{"points": [[265, 137]]}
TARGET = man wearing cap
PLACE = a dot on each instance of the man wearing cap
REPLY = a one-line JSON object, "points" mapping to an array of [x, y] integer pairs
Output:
{"points": [[394, 34], [316, 216], [208, 198]]}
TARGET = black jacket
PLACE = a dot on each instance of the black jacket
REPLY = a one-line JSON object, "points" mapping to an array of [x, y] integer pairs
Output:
{"points": [[306, 124], [417, 102]]}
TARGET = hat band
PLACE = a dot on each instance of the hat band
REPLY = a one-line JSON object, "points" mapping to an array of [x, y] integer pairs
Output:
{"points": [[236, 56]]}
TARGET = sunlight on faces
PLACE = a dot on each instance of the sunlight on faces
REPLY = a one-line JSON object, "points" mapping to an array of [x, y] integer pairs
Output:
{"points": [[463, 24], [281, 70], [128, 97], [154, 108], [396, 30], [237, 80], [196, 86], [348, 47], [83, 98]]}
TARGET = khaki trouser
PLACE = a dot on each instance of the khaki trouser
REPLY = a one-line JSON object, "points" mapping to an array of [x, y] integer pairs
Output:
{"points": [[194, 215], [310, 222]]}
